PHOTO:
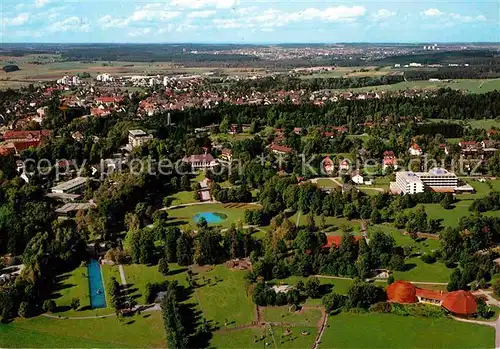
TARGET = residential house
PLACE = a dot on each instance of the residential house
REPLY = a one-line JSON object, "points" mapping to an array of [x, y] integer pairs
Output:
{"points": [[280, 149], [328, 165], [137, 138], [201, 162], [415, 150], [344, 165], [357, 177], [227, 154], [389, 160]]}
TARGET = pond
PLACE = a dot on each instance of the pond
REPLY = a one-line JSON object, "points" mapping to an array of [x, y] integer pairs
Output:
{"points": [[210, 217]]}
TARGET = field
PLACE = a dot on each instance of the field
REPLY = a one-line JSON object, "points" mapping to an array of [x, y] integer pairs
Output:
{"points": [[393, 331], [348, 72], [484, 124], [222, 296], [470, 85], [144, 330], [234, 213]]}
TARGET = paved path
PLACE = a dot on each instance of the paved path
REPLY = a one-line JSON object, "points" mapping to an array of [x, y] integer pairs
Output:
{"points": [[122, 275], [497, 333], [490, 300], [77, 317]]}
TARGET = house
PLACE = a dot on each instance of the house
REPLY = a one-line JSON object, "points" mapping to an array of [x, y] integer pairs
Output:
{"points": [[204, 161], [280, 149], [461, 303], [227, 154], [357, 177], [415, 150], [328, 166], [335, 241], [389, 160], [21, 136], [233, 130], [108, 100], [344, 165], [137, 138], [468, 146]]}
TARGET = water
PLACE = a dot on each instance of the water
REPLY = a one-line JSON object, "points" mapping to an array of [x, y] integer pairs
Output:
{"points": [[96, 286], [210, 217]]}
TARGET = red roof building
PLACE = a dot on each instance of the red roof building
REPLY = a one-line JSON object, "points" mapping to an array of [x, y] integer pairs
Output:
{"points": [[336, 240], [402, 292], [280, 149], [19, 136], [460, 303]]}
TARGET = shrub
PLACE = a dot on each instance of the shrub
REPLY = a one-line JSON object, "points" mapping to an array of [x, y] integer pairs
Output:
{"points": [[24, 310], [381, 307], [49, 306], [357, 310], [428, 258], [281, 298]]}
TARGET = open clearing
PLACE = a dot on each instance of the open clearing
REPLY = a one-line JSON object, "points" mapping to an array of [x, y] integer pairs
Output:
{"points": [[393, 331]]}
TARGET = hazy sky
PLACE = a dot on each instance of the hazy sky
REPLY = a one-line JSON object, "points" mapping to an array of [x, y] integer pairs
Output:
{"points": [[248, 21]]}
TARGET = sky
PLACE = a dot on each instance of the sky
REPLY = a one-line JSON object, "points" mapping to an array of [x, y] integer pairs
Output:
{"points": [[248, 21]]}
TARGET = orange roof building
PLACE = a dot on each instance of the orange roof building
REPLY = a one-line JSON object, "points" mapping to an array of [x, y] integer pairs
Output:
{"points": [[402, 292], [460, 303]]}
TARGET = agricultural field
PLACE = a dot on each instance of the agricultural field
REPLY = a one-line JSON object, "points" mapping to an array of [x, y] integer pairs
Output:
{"points": [[348, 72], [389, 330], [470, 85]]}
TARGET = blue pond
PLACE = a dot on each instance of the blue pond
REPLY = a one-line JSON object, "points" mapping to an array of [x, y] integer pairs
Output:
{"points": [[210, 217], [96, 286]]}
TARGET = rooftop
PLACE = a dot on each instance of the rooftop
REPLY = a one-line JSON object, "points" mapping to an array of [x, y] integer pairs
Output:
{"points": [[70, 184]]}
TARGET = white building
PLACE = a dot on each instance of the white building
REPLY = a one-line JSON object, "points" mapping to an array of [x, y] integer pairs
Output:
{"points": [[437, 179], [137, 138], [357, 178], [69, 187], [201, 162], [415, 150], [104, 77]]}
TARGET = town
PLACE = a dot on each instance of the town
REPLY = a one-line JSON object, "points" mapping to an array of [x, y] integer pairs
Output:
{"points": [[248, 196]]}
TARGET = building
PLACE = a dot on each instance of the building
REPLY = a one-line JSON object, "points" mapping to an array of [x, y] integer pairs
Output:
{"points": [[104, 77], [389, 160], [137, 138], [462, 303], [415, 150], [328, 165], [73, 186], [344, 165], [201, 162], [280, 149], [437, 179], [23, 136], [357, 177], [227, 154]]}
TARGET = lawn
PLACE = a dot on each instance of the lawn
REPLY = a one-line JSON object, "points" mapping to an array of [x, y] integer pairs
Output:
{"points": [[326, 183], [251, 338], [144, 330], [393, 331], [222, 296], [71, 285], [183, 197], [448, 218], [234, 213], [333, 223], [420, 271], [309, 317]]}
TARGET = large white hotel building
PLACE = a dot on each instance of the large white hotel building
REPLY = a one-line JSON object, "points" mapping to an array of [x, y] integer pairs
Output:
{"points": [[437, 179]]}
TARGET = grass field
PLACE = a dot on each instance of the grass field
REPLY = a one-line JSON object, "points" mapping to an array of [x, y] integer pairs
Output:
{"points": [[250, 338], [234, 213], [138, 331], [222, 296], [393, 331], [326, 183], [309, 317]]}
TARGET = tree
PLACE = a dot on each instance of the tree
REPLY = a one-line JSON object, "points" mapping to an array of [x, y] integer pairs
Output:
{"points": [[176, 333], [447, 201], [49, 306], [163, 266], [333, 301], [496, 288], [224, 125], [75, 303], [390, 279], [185, 250], [313, 287], [24, 310]]}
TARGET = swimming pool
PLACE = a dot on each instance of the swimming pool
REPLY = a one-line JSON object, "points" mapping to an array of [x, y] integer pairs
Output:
{"points": [[96, 286], [210, 217]]}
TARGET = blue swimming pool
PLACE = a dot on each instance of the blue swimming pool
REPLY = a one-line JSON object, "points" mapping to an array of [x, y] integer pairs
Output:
{"points": [[96, 286], [210, 217]]}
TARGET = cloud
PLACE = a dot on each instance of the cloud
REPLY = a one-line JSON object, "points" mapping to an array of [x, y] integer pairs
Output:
{"points": [[201, 14], [71, 24], [195, 4], [467, 19], [432, 12], [383, 14], [152, 12], [140, 32], [41, 3], [276, 18], [108, 21], [20, 19]]}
